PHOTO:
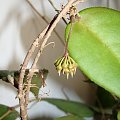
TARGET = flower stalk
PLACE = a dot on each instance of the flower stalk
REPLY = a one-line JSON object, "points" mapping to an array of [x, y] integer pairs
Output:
{"points": [[66, 64]]}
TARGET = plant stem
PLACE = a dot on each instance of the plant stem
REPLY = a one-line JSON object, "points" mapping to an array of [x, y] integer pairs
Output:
{"points": [[47, 35], [21, 95], [67, 41], [30, 75], [24, 97], [44, 20], [55, 8], [77, 2]]}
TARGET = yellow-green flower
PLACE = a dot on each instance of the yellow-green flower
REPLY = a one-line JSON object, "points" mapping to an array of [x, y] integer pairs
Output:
{"points": [[66, 65]]}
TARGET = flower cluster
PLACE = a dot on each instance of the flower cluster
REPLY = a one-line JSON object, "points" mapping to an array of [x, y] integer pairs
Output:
{"points": [[66, 65]]}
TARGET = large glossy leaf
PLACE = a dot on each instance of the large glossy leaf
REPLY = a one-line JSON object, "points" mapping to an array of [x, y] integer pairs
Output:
{"points": [[7, 113], [69, 117], [72, 107], [95, 46]]}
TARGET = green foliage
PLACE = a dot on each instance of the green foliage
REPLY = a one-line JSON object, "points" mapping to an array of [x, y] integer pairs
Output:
{"points": [[75, 108], [7, 113], [95, 46], [118, 115], [36, 80], [69, 117]]}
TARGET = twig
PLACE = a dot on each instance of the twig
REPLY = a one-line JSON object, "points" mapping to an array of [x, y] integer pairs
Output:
{"points": [[77, 2], [55, 8], [21, 95], [30, 75], [61, 14], [44, 20], [52, 25], [50, 44]]}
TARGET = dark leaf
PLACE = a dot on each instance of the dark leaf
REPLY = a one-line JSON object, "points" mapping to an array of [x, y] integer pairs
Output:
{"points": [[12, 77], [69, 117], [75, 108], [39, 81], [8, 113]]}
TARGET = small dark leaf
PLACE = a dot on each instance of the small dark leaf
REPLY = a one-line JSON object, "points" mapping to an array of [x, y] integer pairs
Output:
{"points": [[12, 77], [69, 117], [72, 107], [4, 75], [38, 80], [8, 113]]}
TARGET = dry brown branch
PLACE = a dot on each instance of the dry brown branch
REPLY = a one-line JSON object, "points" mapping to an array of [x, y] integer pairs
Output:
{"points": [[44, 20], [21, 95], [30, 75], [61, 14], [77, 2], [55, 8], [47, 35], [24, 97]]}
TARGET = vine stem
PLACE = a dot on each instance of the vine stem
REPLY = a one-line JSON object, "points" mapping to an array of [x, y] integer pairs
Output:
{"points": [[55, 8], [77, 2], [21, 95], [45, 34], [41, 16], [69, 34]]}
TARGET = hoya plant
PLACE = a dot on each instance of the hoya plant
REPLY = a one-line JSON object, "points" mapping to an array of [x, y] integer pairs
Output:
{"points": [[92, 44]]}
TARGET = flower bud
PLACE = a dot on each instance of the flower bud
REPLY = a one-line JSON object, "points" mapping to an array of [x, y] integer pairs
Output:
{"points": [[66, 65]]}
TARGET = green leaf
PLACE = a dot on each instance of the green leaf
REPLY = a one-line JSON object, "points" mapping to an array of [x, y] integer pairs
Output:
{"points": [[8, 113], [69, 117], [12, 77], [95, 45], [4, 75], [118, 115], [72, 107], [38, 81]]}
